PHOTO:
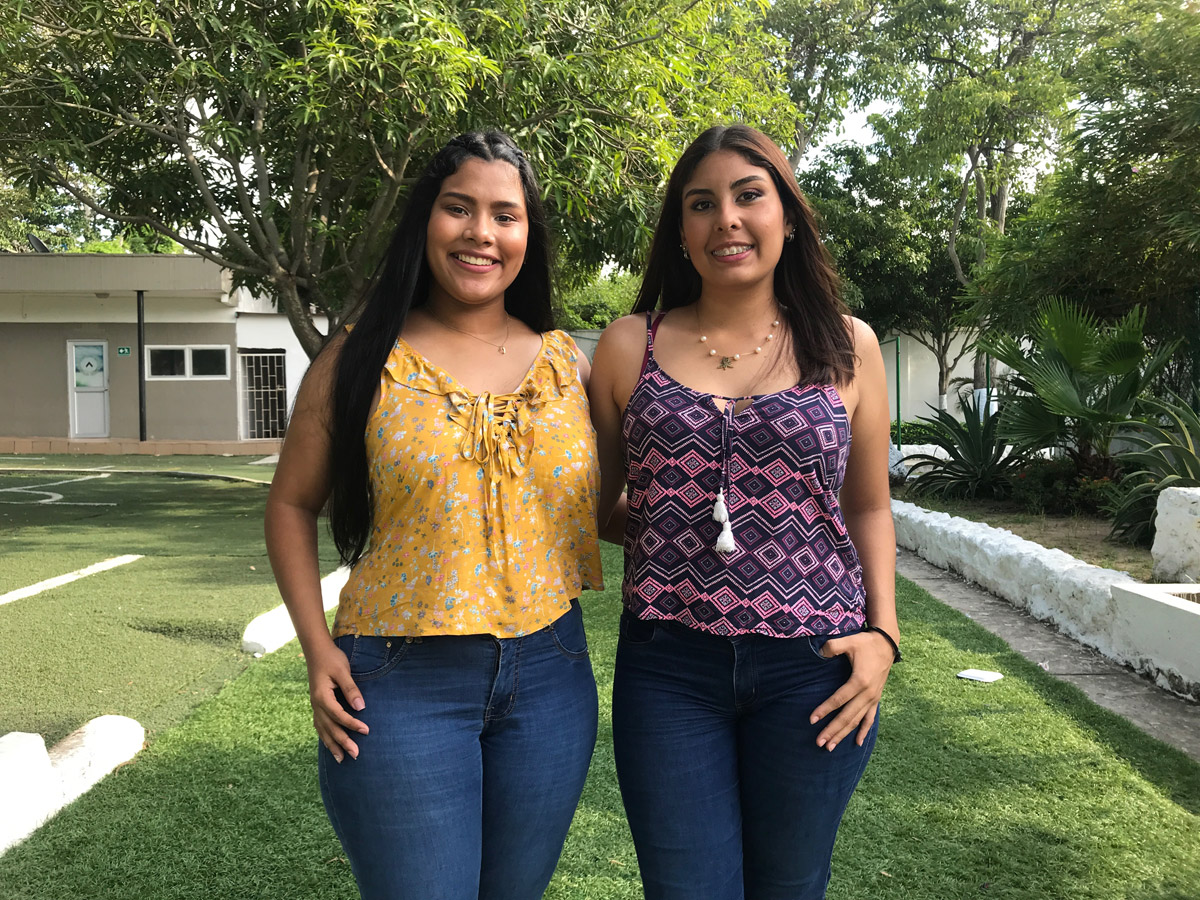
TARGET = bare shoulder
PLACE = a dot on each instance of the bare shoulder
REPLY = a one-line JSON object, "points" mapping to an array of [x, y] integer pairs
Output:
{"points": [[861, 332], [623, 339], [626, 329], [617, 361]]}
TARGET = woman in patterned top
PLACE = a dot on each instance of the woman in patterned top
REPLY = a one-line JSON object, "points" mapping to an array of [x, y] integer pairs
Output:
{"points": [[449, 432], [760, 618]]}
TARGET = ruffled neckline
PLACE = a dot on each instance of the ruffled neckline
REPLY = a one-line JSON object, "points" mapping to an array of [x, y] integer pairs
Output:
{"points": [[554, 369], [497, 429]]}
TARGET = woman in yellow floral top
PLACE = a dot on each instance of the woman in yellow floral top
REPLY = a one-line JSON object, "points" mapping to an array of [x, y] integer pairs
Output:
{"points": [[449, 434]]}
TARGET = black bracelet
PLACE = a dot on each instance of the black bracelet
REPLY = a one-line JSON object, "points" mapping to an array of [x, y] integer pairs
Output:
{"points": [[896, 657]]}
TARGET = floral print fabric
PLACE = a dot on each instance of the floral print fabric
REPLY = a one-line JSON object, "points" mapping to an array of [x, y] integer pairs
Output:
{"points": [[485, 504]]}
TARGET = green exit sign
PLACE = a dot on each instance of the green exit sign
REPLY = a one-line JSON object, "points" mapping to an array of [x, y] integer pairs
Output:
{"points": [[122, 351]]}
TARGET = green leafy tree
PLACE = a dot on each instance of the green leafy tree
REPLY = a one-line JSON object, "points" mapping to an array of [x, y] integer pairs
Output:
{"points": [[278, 138], [1117, 225], [987, 91], [834, 56], [1077, 382], [53, 217], [886, 230]]}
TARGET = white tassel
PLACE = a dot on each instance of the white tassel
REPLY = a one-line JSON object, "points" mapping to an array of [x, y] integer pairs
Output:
{"points": [[720, 513], [725, 542]]}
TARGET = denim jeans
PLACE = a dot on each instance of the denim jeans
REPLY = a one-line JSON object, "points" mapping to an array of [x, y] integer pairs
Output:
{"points": [[478, 750], [727, 793]]}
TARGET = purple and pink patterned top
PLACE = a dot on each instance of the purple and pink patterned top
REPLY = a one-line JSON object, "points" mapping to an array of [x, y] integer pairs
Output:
{"points": [[781, 462]]}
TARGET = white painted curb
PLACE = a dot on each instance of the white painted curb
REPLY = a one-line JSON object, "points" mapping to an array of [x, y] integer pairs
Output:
{"points": [[1054, 587], [34, 784], [270, 631]]}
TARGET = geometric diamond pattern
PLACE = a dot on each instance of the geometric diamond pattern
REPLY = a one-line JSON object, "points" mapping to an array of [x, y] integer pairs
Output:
{"points": [[795, 571]]}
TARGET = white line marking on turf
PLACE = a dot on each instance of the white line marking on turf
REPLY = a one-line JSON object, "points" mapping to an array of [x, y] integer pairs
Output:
{"points": [[51, 496], [58, 581]]}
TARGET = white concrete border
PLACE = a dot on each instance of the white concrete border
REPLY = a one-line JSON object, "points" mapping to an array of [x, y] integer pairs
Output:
{"points": [[270, 631], [1055, 587], [1176, 549], [35, 784], [1156, 616]]}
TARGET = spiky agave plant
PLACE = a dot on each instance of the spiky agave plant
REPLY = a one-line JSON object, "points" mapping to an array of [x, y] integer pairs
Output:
{"points": [[978, 464], [1167, 455]]}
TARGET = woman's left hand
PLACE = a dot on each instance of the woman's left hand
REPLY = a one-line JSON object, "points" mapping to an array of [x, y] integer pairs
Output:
{"points": [[870, 661]]}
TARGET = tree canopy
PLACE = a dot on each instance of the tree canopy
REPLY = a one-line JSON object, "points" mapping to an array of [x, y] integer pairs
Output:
{"points": [[278, 138], [1117, 224], [887, 231]]}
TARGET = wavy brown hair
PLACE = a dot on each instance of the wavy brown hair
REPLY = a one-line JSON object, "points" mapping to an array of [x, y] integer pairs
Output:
{"points": [[806, 284]]}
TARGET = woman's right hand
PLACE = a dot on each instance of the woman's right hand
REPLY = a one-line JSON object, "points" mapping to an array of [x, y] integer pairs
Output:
{"points": [[328, 672]]}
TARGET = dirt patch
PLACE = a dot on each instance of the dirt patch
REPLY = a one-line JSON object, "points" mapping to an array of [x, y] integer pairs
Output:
{"points": [[1083, 537]]}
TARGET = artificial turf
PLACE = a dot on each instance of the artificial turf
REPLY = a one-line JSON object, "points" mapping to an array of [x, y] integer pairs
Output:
{"points": [[149, 639], [1022, 790]]}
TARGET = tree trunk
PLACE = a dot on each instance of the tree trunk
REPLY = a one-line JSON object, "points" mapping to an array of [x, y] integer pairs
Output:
{"points": [[943, 382], [297, 312], [985, 371]]}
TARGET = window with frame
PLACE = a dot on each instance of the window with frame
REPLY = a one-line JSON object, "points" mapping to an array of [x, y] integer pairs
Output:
{"points": [[196, 362]]}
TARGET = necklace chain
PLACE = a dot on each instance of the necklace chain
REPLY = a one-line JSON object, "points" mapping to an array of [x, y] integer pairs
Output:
{"points": [[726, 362], [499, 347]]}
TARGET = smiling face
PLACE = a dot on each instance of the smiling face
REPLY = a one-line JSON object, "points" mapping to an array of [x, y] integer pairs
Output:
{"points": [[477, 233], [733, 222]]}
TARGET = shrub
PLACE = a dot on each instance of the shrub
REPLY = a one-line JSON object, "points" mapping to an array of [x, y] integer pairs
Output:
{"points": [[1077, 381], [1167, 455], [913, 432], [595, 305], [1055, 486], [979, 464]]}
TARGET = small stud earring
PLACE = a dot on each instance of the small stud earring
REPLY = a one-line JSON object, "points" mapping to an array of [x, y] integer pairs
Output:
{"points": [[684, 248]]}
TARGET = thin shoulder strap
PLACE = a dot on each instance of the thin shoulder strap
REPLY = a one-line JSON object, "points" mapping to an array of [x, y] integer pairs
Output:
{"points": [[653, 320]]}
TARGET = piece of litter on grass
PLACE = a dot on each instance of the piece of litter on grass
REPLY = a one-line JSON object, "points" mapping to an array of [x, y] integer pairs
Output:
{"points": [[885, 872], [1044, 665], [258, 656], [979, 675]]}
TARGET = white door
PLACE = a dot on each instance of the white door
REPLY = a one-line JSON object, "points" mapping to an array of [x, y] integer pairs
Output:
{"points": [[87, 365]]}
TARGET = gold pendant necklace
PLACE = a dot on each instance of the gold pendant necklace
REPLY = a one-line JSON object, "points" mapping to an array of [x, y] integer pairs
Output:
{"points": [[726, 362], [499, 347]]}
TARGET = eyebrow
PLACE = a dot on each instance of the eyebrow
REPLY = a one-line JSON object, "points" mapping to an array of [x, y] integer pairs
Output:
{"points": [[734, 186], [467, 198]]}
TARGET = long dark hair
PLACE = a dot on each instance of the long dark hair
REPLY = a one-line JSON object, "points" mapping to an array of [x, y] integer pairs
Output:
{"points": [[806, 283], [402, 282]]}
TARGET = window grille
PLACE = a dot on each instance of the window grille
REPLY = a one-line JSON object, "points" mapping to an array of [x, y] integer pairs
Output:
{"points": [[264, 394]]}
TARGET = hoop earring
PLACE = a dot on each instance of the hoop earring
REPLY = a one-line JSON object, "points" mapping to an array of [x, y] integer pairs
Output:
{"points": [[683, 247], [791, 235]]}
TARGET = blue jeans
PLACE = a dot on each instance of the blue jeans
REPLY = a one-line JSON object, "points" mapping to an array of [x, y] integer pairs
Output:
{"points": [[478, 751], [727, 793]]}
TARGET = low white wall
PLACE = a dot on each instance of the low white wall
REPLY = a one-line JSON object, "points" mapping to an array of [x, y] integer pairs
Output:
{"points": [[1176, 548], [1051, 585]]}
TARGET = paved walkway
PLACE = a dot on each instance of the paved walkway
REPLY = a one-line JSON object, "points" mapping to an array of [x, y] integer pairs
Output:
{"points": [[1160, 714]]}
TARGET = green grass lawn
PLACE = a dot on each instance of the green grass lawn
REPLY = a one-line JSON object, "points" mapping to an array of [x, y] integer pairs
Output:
{"points": [[238, 466], [1022, 790], [149, 639]]}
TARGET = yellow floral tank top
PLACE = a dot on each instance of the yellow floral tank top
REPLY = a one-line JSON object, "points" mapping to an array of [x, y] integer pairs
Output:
{"points": [[485, 504]]}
